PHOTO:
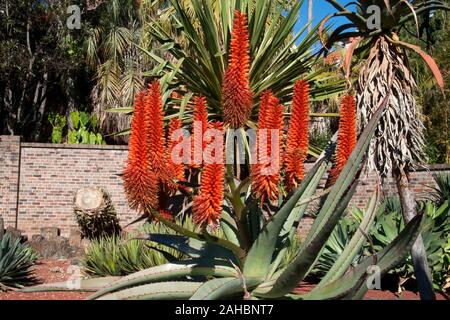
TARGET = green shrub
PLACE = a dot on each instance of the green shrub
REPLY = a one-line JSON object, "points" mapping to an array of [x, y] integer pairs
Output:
{"points": [[387, 226], [85, 128], [118, 256], [434, 233], [16, 260], [337, 242], [442, 191]]}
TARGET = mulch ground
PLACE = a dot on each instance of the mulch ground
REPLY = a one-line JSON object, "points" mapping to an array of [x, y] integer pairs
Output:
{"points": [[49, 271]]}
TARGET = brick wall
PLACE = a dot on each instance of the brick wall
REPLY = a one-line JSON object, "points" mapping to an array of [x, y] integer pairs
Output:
{"points": [[50, 174], [9, 177]]}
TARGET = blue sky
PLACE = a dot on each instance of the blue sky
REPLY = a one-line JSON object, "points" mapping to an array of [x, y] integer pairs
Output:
{"points": [[321, 9]]}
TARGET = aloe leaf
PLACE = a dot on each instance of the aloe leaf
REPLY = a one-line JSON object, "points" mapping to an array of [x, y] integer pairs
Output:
{"points": [[156, 291], [92, 284], [353, 284], [329, 213], [223, 288], [202, 237], [290, 226], [308, 255], [259, 258], [167, 272], [193, 247], [354, 246], [229, 228]]}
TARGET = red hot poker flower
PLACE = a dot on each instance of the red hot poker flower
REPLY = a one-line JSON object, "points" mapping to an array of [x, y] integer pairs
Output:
{"points": [[207, 206], [297, 138], [200, 125], [237, 95], [265, 173], [175, 167], [140, 184], [155, 129], [346, 137]]}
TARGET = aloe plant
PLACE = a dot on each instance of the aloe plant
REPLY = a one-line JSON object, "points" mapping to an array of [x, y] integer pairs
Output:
{"points": [[256, 273], [222, 269]]}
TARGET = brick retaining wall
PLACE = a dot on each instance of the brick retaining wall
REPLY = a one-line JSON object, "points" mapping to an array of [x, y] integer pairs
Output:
{"points": [[49, 174]]}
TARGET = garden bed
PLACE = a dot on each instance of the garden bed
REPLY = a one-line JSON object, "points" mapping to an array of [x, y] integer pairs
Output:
{"points": [[49, 271]]}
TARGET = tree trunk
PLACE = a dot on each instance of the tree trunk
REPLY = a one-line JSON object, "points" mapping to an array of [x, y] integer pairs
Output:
{"points": [[418, 253], [70, 83], [2, 228], [310, 14], [40, 101], [95, 213]]}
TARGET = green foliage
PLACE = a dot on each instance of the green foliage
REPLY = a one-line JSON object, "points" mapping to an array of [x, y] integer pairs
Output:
{"points": [[337, 243], [58, 123], [442, 191], [292, 250], [387, 226], [276, 64], [434, 33], [84, 129], [16, 262], [119, 256], [42, 68], [435, 234]]}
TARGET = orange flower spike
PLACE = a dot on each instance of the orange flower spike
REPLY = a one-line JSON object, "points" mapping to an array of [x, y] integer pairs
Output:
{"points": [[176, 169], [139, 183], [237, 95], [200, 117], [155, 128], [265, 174], [346, 136], [298, 136], [207, 205], [266, 96]]}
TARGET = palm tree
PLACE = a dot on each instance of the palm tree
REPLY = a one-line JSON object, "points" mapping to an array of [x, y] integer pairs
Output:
{"points": [[399, 138]]}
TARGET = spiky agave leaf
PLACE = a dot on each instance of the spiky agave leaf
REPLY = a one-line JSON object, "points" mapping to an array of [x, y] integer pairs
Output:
{"points": [[16, 261]]}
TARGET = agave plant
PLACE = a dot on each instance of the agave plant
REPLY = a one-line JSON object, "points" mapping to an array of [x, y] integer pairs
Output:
{"points": [[399, 137], [16, 262], [338, 241]]}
